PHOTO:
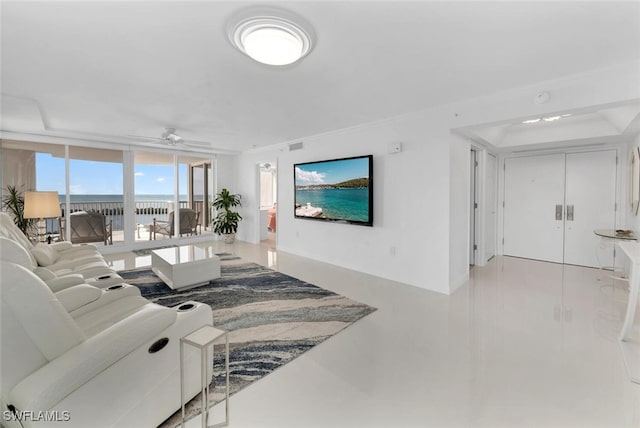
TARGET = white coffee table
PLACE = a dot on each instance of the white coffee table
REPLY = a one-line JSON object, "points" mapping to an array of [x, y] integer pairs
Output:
{"points": [[185, 266]]}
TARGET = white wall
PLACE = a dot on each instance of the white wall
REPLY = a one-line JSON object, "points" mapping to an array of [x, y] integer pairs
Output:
{"points": [[459, 203], [225, 167], [18, 169], [421, 208], [411, 201]]}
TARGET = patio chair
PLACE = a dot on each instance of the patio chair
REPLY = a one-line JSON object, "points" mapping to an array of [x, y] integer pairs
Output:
{"points": [[188, 224], [88, 226]]}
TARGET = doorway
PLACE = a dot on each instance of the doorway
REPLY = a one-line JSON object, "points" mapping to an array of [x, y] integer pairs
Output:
{"points": [[554, 202], [491, 219], [268, 202], [483, 182], [200, 188]]}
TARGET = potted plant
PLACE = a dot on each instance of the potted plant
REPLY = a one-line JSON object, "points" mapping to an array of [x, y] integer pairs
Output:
{"points": [[226, 221], [13, 202]]}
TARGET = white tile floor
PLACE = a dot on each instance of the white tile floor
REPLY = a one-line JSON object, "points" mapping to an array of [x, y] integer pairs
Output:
{"points": [[522, 344]]}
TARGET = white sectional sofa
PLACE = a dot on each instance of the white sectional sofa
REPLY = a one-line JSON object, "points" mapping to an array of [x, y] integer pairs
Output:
{"points": [[59, 279], [91, 356], [58, 259]]}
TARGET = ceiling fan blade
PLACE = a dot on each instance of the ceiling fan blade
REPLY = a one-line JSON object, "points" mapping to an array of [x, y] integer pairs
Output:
{"points": [[172, 138], [197, 143], [144, 138]]}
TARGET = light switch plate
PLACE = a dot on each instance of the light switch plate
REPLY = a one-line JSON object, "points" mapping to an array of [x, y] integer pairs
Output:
{"points": [[394, 148]]}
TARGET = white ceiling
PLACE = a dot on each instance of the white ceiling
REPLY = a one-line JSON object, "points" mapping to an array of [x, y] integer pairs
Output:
{"points": [[134, 68], [604, 125]]}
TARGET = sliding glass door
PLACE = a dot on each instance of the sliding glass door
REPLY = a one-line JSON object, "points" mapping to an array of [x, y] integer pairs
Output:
{"points": [[200, 190], [104, 195], [96, 179], [156, 199]]}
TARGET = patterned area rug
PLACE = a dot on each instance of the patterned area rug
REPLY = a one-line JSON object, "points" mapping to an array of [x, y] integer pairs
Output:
{"points": [[272, 319]]}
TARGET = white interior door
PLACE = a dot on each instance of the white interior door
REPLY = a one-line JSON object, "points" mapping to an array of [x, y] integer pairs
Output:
{"points": [[534, 188], [473, 214], [491, 186], [591, 198]]}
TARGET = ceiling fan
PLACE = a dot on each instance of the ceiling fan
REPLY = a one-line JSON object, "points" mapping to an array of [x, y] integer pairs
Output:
{"points": [[170, 138]]}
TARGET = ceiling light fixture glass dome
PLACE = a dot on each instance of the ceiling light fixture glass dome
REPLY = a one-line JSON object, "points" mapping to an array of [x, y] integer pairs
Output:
{"points": [[272, 39]]}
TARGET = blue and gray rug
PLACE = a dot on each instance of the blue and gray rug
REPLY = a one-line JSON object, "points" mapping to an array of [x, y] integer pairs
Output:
{"points": [[272, 318]]}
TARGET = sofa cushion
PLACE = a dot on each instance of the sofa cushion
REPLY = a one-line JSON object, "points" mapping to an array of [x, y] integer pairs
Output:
{"points": [[61, 246], [40, 313], [44, 274], [44, 254], [12, 251], [8, 229]]}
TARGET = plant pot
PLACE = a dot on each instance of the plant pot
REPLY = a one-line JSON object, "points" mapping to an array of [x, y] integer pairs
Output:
{"points": [[229, 238]]}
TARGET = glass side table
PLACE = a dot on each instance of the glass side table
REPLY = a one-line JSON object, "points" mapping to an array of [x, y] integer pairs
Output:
{"points": [[613, 237], [202, 339]]}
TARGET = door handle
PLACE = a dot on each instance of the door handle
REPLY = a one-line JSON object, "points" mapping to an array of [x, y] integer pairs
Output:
{"points": [[569, 212], [559, 212]]}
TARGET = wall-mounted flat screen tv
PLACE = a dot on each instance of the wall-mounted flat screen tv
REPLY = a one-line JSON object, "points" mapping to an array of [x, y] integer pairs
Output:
{"points": [[339, 190]]}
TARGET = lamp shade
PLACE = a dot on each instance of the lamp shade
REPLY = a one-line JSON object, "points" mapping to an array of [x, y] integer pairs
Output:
{"points": [[41, 205]]}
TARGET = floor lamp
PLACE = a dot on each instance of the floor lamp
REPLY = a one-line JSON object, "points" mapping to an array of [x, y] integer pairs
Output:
{"points": [[41, 205]]}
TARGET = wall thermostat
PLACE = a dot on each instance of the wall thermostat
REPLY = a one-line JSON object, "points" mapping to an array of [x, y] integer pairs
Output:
{"points": [[542, 97]]}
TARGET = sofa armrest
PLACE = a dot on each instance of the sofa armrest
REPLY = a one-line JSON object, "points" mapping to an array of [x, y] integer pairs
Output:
{"points": [[108, 295], [80, 263], [60, 283], [44, 273], [61, 246], [77, 296], [48, 385]]}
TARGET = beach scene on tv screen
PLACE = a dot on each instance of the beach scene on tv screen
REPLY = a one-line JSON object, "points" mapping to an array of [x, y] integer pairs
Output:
{"points": [[336, 190]]}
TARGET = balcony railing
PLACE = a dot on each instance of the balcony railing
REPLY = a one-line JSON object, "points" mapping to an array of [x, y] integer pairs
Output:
{"points": [[146, 211]]}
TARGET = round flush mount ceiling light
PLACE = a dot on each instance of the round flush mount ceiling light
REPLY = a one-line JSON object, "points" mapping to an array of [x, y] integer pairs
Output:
{"points": [[271, 37]]}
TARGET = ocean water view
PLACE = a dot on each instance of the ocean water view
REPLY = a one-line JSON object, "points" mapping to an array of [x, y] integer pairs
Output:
{"points": [[351, 204]]}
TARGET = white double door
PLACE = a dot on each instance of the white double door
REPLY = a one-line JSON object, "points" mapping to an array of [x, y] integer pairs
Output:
{"points": [[554, 202]]}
